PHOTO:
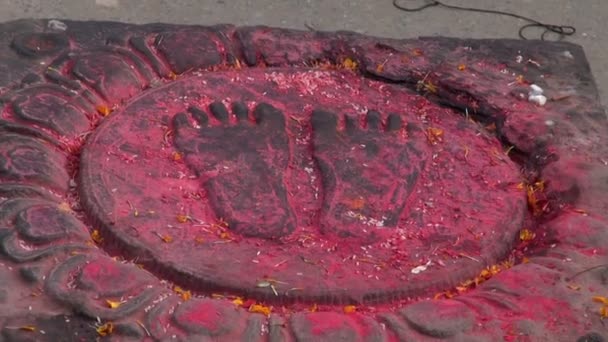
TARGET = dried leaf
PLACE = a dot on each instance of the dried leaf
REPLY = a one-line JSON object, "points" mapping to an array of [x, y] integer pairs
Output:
{"points": [[274, 290], [532, 200], [181, 218], [349, 309], [430, 87], [581, 211], [28, 328], [258, 308], [172, 75], [539, 185], [105, 330], [380, 68], [238, 301], [314, 308], [462, 67]]}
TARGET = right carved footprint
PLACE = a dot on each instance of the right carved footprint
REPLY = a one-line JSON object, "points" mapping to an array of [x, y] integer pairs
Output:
{"points": [[367, 174]]}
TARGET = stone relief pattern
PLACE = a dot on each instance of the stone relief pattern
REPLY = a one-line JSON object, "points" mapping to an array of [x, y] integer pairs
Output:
{"points": [[77, 90]]}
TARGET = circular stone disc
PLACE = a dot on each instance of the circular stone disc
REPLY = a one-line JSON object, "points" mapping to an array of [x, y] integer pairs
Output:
{"points": [[269, 183]]}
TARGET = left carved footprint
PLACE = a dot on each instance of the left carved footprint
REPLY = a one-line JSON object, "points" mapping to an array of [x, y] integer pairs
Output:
{"points": [[242, 166]]}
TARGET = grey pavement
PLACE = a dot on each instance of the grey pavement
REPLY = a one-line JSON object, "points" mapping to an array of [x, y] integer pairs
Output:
{"points": [[374, 17]]}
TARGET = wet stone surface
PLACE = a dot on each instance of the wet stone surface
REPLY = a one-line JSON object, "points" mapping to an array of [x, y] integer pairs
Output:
{"points": [[164, 183]]}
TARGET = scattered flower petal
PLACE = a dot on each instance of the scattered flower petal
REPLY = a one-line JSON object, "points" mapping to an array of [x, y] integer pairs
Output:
{"points": [[105, 330], [350, 309]]}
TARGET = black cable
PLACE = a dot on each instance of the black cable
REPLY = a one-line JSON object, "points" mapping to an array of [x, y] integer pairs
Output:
{"points": [[561, 30]]}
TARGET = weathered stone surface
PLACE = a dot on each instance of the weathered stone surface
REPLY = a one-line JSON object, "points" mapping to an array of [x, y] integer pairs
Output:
{"points": [[439, 318], [330, 326], [160, 182], [235, 172]]}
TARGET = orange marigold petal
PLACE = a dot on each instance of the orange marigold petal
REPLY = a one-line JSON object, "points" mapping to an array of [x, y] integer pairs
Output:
{"points": [[258, 308], [350, 309], [601, 299], [176, 156], [186, 295], [103, 110], [604, 311]]}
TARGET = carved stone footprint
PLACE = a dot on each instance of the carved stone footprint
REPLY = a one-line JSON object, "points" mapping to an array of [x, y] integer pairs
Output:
{"points": [[367, 174], [241, 165]]}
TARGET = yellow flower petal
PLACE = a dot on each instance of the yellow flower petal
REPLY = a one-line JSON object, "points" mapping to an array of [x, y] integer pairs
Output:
{"points": [[113, 304], [526, 235], [96, 236], [349, 64], [105, 329], [238, 301]]}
